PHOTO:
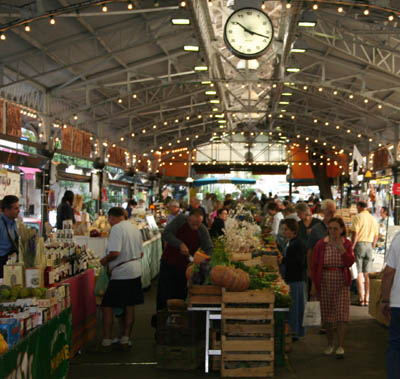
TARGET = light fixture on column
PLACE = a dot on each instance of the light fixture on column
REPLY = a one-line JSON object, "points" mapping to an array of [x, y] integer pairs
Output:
{"points": [[308, 20]]}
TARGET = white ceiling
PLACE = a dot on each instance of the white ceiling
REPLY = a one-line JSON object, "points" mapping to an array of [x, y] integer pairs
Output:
{"points": [[89, 60]]}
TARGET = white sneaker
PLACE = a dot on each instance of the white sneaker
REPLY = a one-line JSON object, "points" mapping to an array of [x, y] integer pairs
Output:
{"points": [[339, 353], [115, 340], [329, 350]]}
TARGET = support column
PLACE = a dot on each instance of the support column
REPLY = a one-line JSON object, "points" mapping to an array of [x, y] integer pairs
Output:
{"points": [[396, 175]]}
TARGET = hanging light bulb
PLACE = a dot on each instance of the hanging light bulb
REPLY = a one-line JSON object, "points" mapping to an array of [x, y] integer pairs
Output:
{"points": [[315, 6], [3, 37], [52, 21], [340, 9], [27, 28], [104, 9], [366, 12], [130, 5], [288, 4], [391, 17]]}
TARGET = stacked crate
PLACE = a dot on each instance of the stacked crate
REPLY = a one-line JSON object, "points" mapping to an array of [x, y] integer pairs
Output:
{"points": [[205, 296], [247, 334], [180, 340]]}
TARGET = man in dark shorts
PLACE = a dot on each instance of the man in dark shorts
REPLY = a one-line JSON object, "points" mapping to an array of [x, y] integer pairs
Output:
{"points": [[124, 251]]}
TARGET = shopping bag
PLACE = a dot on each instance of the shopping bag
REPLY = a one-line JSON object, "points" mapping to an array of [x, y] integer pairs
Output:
{"points": [[312, 314], [101, 282], [353, 271]]}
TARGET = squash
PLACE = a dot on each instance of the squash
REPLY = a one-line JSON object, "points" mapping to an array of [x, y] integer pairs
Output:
{"points": [[229, 278], [217, 274], [3, 345], [189, 271], [200, 257]]}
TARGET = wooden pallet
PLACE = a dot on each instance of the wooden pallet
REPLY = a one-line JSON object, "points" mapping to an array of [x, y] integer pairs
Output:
{"points": [[247, 333], [204, 296]]}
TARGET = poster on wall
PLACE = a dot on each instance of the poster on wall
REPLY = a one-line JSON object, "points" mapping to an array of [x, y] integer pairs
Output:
{"points": [[9, 183]]}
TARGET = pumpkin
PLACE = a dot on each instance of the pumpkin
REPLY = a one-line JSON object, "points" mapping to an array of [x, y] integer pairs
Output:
{"points": [[3, 345], [244, 280], [189, 271], [217, 274], [199, 257], [229, 278]]}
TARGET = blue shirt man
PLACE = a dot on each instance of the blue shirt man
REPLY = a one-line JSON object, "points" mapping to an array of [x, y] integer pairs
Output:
{"points": [[8, 229]]}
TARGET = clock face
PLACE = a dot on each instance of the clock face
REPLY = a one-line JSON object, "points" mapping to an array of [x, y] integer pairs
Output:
{"points": [[248, 33]]}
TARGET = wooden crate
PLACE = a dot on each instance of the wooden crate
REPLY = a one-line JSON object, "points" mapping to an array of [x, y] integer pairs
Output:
{"points": [[247, 336], [204, 296], [215, 344], [240, 257]]}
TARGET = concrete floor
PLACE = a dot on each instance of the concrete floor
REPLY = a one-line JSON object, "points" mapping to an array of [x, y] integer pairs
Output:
{"points": [[365, 354]]}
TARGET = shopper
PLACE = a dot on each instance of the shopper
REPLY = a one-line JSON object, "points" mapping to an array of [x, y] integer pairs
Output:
{"points": [[307, 221], [77, 207], [217, 205], [131, 205], [64, 210], [365, 233], [276, 215], [195, 204], [217, 227], [183, 236], [8, 230], [332, 258], [174, 210], [295, 264], [124, 251], [391, 307]]}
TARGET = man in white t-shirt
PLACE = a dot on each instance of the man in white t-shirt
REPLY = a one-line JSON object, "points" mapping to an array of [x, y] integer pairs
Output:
{"points": [[391, 307], [124, 251]]}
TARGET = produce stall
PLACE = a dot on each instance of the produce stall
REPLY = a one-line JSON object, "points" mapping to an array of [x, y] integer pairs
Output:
{"points": [[243, 298]]}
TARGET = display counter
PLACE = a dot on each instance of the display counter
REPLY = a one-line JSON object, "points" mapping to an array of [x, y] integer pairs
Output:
{"points": [[83, 303], [44, 353], [152, 251]]}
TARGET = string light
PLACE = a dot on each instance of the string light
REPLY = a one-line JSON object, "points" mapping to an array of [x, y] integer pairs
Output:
{"points": [[104, 9], [130, 5], [340, 9], [3, 37], [391, 17], [366, 12], [27, 28], [315, 6], [52, 21]]}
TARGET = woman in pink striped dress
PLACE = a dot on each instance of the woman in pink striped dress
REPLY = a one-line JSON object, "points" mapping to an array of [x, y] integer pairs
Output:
{"points": [[332, 258]]}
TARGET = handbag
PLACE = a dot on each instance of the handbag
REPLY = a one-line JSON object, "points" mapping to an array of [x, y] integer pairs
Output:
{"points": [[312, 314], [101, 282], [353, 271]]}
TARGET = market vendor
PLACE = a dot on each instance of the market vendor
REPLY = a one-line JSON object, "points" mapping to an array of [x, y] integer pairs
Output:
{"points": [[8, 229], [65, 211], [183, 236]]}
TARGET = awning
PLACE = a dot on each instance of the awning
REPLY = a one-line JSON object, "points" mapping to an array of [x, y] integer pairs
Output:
{"points": [[206, 181]]}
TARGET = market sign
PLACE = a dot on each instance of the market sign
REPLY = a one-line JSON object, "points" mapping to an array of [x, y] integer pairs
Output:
{"points": [[9, 183], [396, 188], [42, 354]]}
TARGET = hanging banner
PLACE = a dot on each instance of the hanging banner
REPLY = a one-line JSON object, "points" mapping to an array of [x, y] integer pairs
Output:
{"points": [[87, 145], [78, 142], [13, 120], [9, 183], [42, 354], [66, 138]]}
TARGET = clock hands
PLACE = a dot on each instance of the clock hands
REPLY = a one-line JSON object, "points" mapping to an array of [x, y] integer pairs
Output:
{"points": [[248, 30]]}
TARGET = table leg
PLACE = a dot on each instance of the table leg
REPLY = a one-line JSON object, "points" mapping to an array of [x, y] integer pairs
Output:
{"points": [[207, 339]]}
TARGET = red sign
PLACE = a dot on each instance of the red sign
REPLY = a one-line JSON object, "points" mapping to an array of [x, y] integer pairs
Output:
{"points": [[396, 188]]}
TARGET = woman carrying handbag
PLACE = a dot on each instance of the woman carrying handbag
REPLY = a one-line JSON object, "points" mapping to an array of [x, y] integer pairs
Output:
{"points": [[332, 258]]}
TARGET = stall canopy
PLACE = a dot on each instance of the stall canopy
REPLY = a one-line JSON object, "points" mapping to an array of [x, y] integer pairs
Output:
{"points": [[206, 181]]}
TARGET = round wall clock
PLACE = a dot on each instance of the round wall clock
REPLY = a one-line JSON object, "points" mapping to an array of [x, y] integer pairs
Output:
{"points": [[248, 33]]}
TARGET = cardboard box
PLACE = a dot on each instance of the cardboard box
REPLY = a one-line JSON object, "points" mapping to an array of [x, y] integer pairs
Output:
{"points": [[14, 275], [33, 277], [375, 297], [11, 330]]}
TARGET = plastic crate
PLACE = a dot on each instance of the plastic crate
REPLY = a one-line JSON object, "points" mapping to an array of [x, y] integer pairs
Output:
{"points": [[279, 329]]}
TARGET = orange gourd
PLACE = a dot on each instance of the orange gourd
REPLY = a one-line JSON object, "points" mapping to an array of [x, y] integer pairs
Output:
{"points": [[199, 257], [217, 274]]}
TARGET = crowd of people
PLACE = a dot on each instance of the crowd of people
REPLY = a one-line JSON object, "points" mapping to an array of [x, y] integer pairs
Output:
{"points": [[318, 252]]}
